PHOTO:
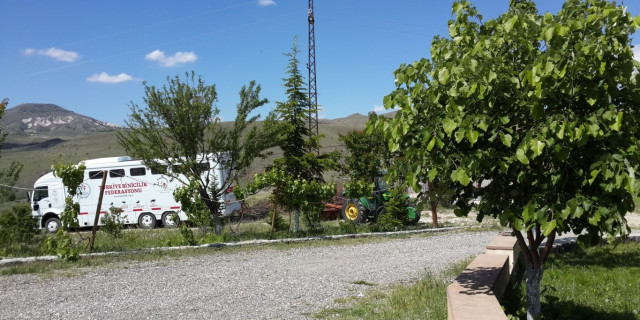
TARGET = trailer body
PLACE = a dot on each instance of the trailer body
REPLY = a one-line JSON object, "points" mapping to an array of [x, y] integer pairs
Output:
{"points": [[144, 195]]}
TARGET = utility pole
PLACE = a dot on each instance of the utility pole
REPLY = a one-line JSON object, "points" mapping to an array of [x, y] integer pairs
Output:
{"points": [[313, 91]]}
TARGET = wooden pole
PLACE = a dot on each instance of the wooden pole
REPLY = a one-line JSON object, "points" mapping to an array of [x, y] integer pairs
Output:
{"points": [[97, 218]]}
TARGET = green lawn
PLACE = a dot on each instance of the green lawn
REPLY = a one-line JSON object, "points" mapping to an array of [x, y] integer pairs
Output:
{"points": [[600, 283]]}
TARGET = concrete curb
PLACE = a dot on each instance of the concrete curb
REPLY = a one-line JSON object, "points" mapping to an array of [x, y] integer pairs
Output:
{"points": [[11, 261]]}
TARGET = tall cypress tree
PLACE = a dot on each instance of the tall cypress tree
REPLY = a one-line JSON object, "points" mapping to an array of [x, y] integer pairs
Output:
{"points": [[298, 144]]}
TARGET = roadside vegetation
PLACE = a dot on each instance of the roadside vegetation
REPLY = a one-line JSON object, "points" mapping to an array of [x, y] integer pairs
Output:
{"points": [[424, 299], [20, 238]]}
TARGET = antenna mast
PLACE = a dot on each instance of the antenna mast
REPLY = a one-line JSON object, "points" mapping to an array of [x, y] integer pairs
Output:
{"points": [[313, 91]]}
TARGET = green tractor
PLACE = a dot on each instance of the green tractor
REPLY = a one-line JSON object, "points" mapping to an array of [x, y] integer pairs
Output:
{"points": [[359, 210]]}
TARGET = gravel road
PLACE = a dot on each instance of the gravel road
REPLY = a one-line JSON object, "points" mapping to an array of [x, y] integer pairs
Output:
{"points": [[250, 284]]}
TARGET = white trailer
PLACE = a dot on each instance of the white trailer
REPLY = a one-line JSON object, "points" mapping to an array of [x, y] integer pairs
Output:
{"points": [[144, 195]]}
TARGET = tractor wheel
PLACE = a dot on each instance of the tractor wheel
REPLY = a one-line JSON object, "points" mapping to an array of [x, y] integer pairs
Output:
{"points": [[352, 211]]}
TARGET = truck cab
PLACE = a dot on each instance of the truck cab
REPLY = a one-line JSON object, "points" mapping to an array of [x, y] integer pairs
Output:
{"points": [[47, 201]]}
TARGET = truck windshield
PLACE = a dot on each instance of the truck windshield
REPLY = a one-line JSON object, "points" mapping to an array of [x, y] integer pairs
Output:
{"points": [[40, 193]]}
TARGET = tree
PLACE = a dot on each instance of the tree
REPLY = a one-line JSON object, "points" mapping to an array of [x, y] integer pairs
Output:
{"points": [[62, 245], [543, 106], [179, 127], [297, 176], [9, 175], [368, 155]]}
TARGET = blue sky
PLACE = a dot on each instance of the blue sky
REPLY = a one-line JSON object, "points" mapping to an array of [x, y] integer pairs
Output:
{"points": [[92, 56]]}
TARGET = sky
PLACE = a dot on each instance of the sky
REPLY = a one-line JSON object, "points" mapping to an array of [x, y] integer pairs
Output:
{"points": [[92, 57]]}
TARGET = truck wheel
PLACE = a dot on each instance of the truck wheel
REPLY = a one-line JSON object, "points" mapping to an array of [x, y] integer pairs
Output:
{"points": [[52, 225], [147, 221], [352, 211], [168, 219]]}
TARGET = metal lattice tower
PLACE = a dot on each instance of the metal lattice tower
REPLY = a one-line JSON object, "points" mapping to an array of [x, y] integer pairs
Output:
{"points": [[313, 91]]}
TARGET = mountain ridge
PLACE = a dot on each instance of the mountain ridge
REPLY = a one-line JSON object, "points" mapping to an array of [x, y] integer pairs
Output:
{"points": [[48, 118]]}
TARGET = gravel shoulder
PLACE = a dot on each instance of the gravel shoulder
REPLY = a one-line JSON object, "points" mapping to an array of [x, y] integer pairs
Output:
{"points": [[250, 284]]}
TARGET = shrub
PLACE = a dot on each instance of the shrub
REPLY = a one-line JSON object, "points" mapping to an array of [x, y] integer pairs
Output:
{"points": [[17, 229], [280, 223], [113, 223]]}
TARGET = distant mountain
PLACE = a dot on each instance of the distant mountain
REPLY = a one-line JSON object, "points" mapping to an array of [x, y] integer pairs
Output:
{"points": [[46, 119]]}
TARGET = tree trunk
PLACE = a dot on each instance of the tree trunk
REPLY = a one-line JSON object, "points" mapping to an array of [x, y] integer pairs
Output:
{"points": [[296, 221], [534, 261], [533, 277], [214, 209], [434, 213]]}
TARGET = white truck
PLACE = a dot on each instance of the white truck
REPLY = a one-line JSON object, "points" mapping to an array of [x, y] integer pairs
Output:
{"points": [[144, 195]]}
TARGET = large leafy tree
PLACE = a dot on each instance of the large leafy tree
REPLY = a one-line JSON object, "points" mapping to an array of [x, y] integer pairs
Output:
{"points": [[180, 127], [8, 175], [543, 106]]}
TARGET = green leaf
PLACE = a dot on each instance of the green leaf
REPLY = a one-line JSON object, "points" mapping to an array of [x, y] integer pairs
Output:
{"points": [[537, 111], [460, 175], [509, 24], [527, 212], [431, 144], [482, 125], [616, 125], [449, 125], [464, 178], [548, 34], [537, 146], [492, 75], [522, 157], [594, 174], [548, 67], [393, 146], [506, 139], [578, 213], [443, 75], [560, 132], [472, 136], [548, 227], [432, 174], [459, 135]]}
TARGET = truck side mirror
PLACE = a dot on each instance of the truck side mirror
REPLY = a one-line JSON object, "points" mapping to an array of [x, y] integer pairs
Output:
{"points": [[29, 196]]}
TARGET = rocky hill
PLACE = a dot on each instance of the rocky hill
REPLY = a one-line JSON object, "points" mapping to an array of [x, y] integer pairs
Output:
{"points": [[47, 119]]}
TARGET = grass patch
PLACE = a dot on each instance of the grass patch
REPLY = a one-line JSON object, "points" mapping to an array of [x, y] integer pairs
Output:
{"points": [[364, 283], [425, 299], [600, 283]]}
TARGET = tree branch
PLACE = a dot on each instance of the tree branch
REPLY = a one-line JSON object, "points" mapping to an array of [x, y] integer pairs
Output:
{"points": [[548, 246], [523, 245]]}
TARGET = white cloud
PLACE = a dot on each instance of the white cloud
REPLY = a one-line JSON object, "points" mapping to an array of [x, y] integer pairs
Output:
{"points": [[378, 109], [382, 109], [636, 51], [106, 78], [55, 53], [170, 61], [264, 3]]}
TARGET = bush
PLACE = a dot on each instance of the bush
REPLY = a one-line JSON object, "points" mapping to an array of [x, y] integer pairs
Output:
{"points": [[187, 235], [387, 222], [280, 223], [17, 230], [113, 224], [395, 211], [62, 246]]}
